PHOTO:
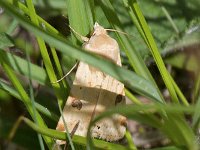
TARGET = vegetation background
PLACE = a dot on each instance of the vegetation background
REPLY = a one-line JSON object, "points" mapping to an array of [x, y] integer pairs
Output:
{"points": [[160, 57]]}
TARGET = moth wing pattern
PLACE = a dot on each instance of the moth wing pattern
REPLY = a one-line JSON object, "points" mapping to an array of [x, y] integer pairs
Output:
{"points": [[94, 92]]}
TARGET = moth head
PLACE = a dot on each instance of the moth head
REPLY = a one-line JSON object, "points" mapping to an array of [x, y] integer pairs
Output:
{"points": [[98, 29]]}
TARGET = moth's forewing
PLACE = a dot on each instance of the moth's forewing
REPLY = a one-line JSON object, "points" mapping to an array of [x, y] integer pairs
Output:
{"points": [[93, 92]]}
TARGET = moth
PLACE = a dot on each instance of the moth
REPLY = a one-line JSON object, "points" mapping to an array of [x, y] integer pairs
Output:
{"points": [[94, 92]]}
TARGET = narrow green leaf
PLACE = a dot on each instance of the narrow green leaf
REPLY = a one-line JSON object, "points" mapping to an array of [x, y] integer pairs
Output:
{"points": [[81, 16], [196, 117], [130, 141], [12, 27], [21, 66], [177, 129], [32, 98], [5, 40], [153, 48], [60, 94]]}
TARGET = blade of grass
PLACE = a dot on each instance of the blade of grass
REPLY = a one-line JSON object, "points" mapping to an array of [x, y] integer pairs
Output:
{"points": [[14, 128], [130, 141], [21, 66], [40, 75], [134, 19], [196, 116], [132, 97], [32, 98], [108, 67], [170, 19], [5, 40], [81, 17], [177, 129], [60, 94], [196, 91], [48, 65], [12, 27], [153, 48], [63, 84], [179, 93], [133, 55]]}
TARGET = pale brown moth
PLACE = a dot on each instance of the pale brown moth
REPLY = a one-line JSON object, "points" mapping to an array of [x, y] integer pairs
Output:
{"points": [[93, 92]]}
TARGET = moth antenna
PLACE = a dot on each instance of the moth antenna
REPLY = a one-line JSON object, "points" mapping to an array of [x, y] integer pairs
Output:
{"points": [[113, 30], [66, 74], [85, 39]]}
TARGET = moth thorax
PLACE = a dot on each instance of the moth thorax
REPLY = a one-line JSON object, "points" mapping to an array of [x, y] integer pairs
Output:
{"points": [[103, 45]]}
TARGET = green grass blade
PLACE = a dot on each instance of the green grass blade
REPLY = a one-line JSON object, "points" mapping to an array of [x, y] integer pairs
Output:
{"points": [[153, 48], [130, 141], [21, 66], [60, 94], [81, 17], [196, 92], [177, 129], [32, 98], [132, 97], [59, 68], [5, 40], [134, 19], [170, 19], [12, 27], [196, 117], [179, 93]]}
